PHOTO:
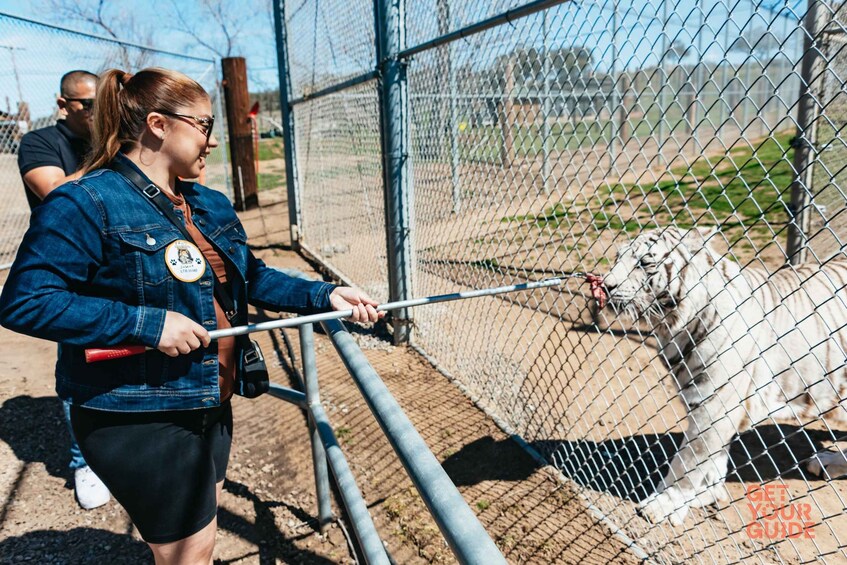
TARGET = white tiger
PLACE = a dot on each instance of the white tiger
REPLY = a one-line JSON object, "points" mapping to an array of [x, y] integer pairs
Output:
{"points": [[745, 347]]}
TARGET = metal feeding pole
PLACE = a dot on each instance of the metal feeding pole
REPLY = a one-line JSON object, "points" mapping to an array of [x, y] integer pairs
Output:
{"points": [[102, 354]]}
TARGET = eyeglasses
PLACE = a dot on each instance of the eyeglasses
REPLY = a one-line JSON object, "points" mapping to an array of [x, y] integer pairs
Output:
{"points": [[207, 124], [86, 103]]}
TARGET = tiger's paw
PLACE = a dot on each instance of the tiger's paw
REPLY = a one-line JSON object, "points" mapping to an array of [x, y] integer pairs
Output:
{"points": [[669, 505], [829, 464]]}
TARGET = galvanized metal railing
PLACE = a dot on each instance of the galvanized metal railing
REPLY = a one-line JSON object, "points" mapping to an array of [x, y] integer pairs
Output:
{"points": [[464, 534]]}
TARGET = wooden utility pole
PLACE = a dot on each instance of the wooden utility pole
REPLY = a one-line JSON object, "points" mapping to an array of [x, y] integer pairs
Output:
{"points": [[242, 156]]}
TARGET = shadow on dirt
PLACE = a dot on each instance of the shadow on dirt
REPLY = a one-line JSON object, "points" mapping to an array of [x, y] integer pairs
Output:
{"points": [[273, 544], [35, 429], [632, 467], [79, 545]]}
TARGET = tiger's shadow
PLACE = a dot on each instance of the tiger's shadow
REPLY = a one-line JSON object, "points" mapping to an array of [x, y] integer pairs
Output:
{"points": [[632, 468]]}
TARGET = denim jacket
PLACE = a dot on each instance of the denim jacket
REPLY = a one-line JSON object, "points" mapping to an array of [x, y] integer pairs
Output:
{"points": [[91, 272]]}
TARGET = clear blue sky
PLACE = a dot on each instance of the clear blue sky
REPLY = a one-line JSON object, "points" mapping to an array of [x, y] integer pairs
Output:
{"points": [[42, 56], [45, 56]]}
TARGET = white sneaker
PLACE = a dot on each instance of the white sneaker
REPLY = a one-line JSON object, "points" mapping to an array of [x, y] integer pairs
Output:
{"points": [[90, 490]]}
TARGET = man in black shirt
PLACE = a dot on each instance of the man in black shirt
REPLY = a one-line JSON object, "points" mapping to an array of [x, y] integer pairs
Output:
{"points": [[48, 158], [51, 156]]}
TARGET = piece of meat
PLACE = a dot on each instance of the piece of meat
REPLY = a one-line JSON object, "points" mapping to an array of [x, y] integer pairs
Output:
{"points": [[597, 290]]}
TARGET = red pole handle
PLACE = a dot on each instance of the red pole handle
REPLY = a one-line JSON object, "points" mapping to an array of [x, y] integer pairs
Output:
{"points": [[96, 354]]}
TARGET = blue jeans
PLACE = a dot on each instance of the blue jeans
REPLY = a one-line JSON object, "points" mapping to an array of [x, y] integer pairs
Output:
{"points": [[77, 460]]}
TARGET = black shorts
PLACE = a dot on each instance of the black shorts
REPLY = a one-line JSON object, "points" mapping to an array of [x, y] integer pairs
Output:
{"points": [[162, 467]]}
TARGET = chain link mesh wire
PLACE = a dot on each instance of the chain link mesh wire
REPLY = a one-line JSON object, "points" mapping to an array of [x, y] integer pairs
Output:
{"points": [[334, 42], [339, 164], [596, 136], [33, 58]]}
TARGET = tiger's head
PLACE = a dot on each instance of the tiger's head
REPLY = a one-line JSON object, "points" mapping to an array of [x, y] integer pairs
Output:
{"points": [[662, 269]]}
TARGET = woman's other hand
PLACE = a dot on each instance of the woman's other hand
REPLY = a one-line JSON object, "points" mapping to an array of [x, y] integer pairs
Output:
{"points": [[364, 308], [181, 335]]}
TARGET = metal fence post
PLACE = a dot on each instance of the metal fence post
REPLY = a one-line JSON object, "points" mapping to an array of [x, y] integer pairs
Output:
{"points": [[723, 91], [698, 87], [805, 153], [454, 136], [446, 52], [390, 18], [506, 111], [310, 381], [546, 104], [613, 101], [292, 187], [661, 134]]}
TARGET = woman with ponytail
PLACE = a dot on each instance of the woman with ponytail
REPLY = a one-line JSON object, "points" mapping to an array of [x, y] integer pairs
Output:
{"points": [[132, 254]]}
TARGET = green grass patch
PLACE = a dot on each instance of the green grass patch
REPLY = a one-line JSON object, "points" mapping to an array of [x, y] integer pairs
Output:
{"points": [[752, 184], [271, 149], [486, 143], [746, 189], [553, 215], [267, 181]]}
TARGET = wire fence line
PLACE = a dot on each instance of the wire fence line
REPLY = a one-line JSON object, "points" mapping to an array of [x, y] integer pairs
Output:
{"points": [[33, 57], [674, 147]]}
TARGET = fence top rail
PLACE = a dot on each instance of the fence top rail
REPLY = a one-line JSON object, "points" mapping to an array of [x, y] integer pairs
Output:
{"points": [[107, 39], [338, 87], [478, 27]]}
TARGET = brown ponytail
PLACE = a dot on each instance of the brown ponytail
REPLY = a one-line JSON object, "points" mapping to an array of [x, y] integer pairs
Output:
{"points": [[123, 102]]}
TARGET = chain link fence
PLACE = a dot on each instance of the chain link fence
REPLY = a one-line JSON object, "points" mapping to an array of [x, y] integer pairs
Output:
{"points": [[33, 58], [658, 143]]}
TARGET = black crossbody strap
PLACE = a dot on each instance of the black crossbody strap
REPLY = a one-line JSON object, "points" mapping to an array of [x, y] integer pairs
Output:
{"points": [[154, 194]]}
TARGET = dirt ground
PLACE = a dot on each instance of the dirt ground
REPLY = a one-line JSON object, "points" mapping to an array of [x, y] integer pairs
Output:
{"points": [[268, 507]]}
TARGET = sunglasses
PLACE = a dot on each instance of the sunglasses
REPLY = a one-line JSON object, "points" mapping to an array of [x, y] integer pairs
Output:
{"points": [[86, 103], [207, 124]]}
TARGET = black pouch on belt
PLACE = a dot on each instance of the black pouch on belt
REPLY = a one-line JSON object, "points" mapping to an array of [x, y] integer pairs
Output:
{"points": [[251, 377], [252, 380]]}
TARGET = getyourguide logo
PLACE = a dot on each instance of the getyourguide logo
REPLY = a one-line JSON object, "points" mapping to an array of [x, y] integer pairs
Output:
{"points": [[772, 517]]}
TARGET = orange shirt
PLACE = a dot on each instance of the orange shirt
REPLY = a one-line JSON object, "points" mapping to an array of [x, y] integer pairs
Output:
{"points": [[226, 345]]}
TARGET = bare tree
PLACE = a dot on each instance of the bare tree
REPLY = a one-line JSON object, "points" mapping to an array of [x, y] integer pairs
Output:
{"points": [[218, 25], [676, 51], [109, 19], [756, 41]]}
